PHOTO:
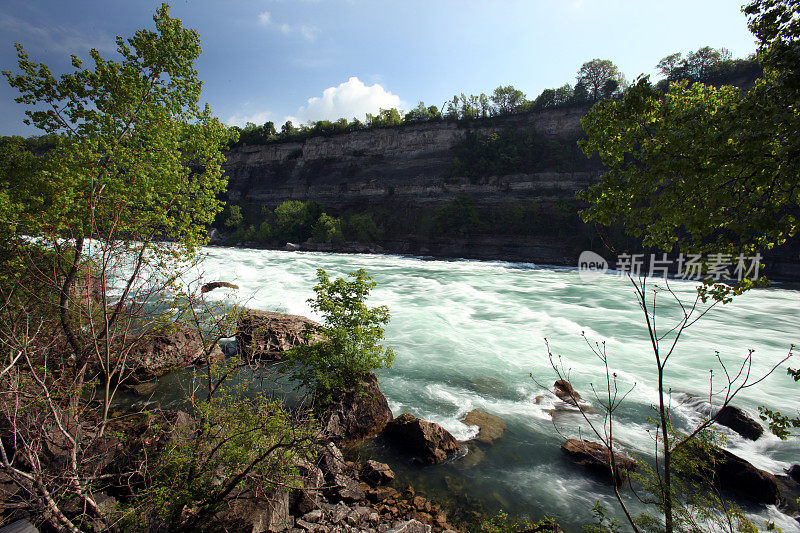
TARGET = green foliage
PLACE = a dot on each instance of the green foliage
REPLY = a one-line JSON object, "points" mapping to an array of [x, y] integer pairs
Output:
{"points": [[603, 523], [293, 220], [327, 229], [601, 77], [234, 219], [385, 118], [458, 217], [131, 128], [361, 227], [502, 523], [230, 435], [351, 332], [421, 113], [695, 499], [779, 424], [507, 100]]}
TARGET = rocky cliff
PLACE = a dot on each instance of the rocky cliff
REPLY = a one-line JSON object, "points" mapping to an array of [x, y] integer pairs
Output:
{"points": [[402, 165]]}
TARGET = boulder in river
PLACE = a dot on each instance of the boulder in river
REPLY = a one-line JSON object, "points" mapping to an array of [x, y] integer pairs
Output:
{"points": [[737, 475], [208, 287], [427, 441], [356, 415], [266, 334], [565, 392], [740, 422], [596, 458], [491, 427], [794, 472]]}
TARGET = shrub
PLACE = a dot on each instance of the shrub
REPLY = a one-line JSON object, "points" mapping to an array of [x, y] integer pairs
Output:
{"points": [[351, 333]]}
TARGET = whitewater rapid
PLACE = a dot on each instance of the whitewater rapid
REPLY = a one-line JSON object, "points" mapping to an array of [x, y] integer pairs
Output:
{"points": [[468, 334]]}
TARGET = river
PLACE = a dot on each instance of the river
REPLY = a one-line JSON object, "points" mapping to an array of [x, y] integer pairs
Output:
{"points": [[468, 334]]}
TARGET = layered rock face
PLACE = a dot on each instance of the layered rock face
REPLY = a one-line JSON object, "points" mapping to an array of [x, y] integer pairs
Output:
{"points": [[385, 166]]}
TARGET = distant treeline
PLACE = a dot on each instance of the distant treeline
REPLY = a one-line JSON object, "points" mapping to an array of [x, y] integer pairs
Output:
{"points": [[596, 80], [295, 221]]}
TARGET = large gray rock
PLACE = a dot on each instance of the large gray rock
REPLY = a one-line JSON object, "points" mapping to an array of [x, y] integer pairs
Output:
{"points": [[356, 415], [595, 457], [425, 440], [266, 334], [162, 351]]}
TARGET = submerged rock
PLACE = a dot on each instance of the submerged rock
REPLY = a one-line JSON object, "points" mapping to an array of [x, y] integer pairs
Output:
{"points": [[794, 472], [357, 415], [596, 458], [266, 334], [427, 441], [491, 426], [740, 422]]}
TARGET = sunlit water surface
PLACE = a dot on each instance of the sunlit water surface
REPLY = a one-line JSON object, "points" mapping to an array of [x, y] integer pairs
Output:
{"points": [[468, 334]]}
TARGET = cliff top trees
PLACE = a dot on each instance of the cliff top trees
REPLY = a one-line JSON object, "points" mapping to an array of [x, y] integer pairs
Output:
{"points": [[600, 77], [507, 100]]}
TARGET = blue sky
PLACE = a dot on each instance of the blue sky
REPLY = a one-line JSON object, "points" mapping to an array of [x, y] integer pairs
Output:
{"points": [[312, 59]]}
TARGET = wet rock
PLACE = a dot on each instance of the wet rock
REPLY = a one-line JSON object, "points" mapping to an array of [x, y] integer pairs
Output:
{"points": [[595, 458], [794, 472], [425, 440], [491, 426], [291, 247], [377, 474], [563, 389], [208, 287], [358, 414], [411, 526], [740, 422], [266, 334], [737, 475]]}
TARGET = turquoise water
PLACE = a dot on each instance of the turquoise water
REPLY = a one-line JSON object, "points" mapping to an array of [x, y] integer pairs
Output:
{"points": [[469, 333]]}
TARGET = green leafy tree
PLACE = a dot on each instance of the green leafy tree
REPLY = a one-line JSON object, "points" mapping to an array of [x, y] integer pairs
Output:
{"points": [[327, 229], [350, 335], [596, 73], [362, 228], [135, 160], [507, 99], [293, 220], [235, 217]]}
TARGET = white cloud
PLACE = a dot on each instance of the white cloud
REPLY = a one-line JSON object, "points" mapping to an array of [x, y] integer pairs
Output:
{"points": [[264, 18], [303, 30], [349, 99]]}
